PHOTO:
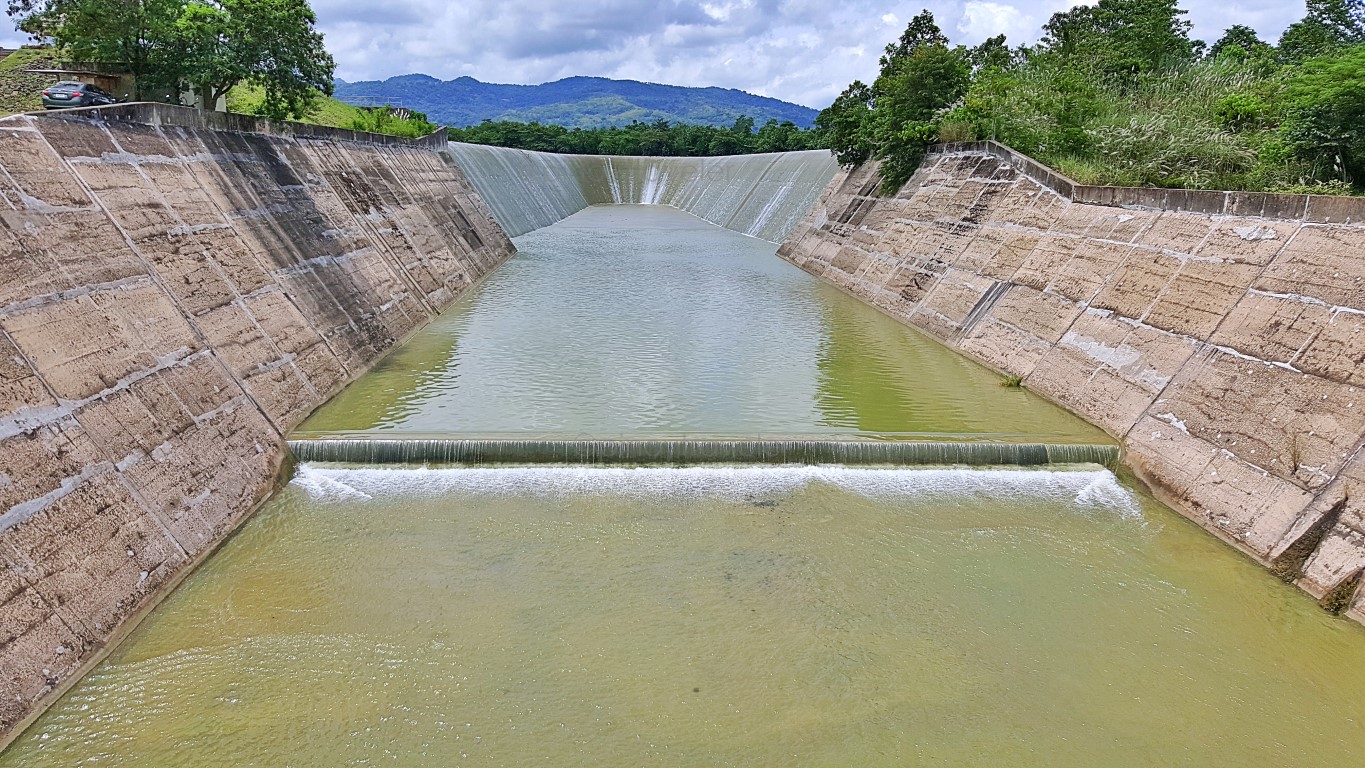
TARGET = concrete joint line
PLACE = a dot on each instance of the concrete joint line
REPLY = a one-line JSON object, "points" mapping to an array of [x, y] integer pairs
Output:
{"points": [[156, 277]]}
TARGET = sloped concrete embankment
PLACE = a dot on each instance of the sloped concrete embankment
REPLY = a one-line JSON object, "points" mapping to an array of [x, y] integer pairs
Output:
{"points": [[176, 293], [1219, 336], [762, 196]]}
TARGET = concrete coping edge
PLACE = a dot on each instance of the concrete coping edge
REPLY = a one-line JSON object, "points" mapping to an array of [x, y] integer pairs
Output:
{"points": [[1315, 209], [157, 114]]}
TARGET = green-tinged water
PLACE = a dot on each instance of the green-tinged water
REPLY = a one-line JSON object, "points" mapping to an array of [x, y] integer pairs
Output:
{"points": [[688, 617], [788, 614], [647, 321]]}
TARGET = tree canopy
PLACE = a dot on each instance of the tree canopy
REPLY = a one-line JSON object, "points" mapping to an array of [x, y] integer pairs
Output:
{"points": [[206, 46], [1119, 93], [659, 138]]}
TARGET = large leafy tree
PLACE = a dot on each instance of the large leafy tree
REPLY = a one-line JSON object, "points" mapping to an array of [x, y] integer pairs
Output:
{"points": [[272, 43], [896, 117], [1122, 37], [846, 124], [134, 33], [909, 95], [1238, 36], [206, 45], [1326, 113], [1327, 26], [921, 32]]}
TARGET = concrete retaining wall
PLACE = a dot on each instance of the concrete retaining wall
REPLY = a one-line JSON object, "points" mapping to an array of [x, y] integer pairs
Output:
{"points": [[1226, 352], [175, 295]]}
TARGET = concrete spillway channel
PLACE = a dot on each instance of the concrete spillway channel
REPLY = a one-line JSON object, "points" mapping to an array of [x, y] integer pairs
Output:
{"points": [[608, 460]]}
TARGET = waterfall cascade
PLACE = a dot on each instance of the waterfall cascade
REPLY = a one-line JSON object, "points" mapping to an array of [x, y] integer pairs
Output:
{"points": [[762, 196]]}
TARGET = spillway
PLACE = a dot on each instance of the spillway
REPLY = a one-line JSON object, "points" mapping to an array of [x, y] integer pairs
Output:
{"points": [[650, 493], [762, 196]]}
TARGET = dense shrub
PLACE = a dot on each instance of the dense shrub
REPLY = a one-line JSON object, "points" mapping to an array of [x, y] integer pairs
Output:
{"points": [[1118, 93]]}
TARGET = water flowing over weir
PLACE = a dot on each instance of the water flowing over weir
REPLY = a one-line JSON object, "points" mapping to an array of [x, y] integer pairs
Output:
{"points": [[688, 452], [762, 196]]}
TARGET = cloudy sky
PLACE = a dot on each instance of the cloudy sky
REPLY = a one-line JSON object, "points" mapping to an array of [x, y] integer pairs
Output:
{"points": [[803, 51]]}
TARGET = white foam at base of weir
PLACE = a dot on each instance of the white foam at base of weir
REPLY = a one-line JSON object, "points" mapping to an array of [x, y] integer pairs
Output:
{"points": [[1084, 488]]}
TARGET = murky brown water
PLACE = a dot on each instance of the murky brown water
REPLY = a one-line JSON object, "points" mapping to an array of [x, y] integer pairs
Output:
{"points": [[720, 617]]}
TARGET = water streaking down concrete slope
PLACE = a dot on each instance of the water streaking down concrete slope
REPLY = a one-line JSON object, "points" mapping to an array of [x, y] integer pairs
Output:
{"points": [[762, 196], [179, 289]]}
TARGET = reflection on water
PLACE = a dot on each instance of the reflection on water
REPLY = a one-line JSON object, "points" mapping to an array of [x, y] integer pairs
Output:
{"points": [[635, 320], [707, 616]]}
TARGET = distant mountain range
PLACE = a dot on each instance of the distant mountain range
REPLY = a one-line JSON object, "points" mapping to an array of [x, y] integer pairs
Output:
{"points": [[575, 102]]}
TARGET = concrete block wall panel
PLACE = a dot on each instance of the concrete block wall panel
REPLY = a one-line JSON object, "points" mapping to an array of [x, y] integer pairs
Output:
{"points": [[175, 295], [1223, 343]]}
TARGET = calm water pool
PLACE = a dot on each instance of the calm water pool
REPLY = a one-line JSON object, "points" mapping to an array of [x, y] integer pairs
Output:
{"points": [[717, 616], [643, 320]]}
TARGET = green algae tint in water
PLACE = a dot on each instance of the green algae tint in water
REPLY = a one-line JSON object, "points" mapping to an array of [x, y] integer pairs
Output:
{"points": [[712, 616], [643, 320]]}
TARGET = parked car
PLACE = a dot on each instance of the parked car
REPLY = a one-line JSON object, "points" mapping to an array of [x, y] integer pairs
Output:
{"points": [[69, 93]]}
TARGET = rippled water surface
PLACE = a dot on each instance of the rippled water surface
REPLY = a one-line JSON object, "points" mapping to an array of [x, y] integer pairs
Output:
{"points": [[632, 320], [689, 617]]}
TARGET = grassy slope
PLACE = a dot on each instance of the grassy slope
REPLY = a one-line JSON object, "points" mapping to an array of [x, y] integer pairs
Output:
{"points": [[21, 91], [247, 99]]}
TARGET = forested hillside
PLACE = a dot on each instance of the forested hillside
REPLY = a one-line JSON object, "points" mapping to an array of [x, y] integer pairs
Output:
{"points": [[1119, 93], [575, 102], [659, 138]]}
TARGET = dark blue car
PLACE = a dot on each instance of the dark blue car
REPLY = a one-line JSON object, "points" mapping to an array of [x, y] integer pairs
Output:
{"points": [[69, 93]]}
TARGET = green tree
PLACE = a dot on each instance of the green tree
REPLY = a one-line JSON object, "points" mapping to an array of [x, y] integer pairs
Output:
{"points": [[847, 124], [1325, 121], [272, 43], [1122, 37], [908, 98], [1328, 25], [134, 33], [922, 31], [206, 45], [991, 54], [1238, 36]]}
